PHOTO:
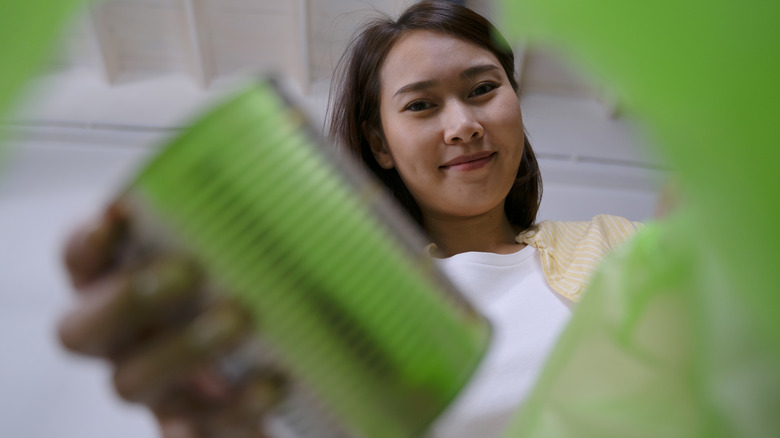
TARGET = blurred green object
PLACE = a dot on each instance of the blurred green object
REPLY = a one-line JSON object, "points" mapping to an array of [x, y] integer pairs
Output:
{"points": [[28, 31], [662, 345], [679, 335], [336, 278]]}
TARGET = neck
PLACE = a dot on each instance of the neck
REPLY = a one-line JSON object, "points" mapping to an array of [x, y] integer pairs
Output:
{"points": [[490, 232]]}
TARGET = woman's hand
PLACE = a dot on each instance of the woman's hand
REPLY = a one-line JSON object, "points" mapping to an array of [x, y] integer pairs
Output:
{"points": [[151, 319]]}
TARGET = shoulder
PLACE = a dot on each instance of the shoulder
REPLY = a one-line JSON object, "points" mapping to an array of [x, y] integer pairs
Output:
{"points": [[571, 251], [602, 230]]}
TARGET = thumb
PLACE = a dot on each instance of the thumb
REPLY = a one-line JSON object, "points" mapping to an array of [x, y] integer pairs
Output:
{"points": [[92, 248]]}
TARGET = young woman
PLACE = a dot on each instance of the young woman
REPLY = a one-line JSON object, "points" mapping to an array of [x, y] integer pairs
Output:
{"points": [[429, 103]]}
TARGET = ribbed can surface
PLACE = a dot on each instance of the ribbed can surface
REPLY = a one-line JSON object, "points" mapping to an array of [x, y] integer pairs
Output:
{"points": [[334, 276]]}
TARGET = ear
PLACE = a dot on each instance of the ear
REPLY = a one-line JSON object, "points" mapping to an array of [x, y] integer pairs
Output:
{"points": [[376, 140]]}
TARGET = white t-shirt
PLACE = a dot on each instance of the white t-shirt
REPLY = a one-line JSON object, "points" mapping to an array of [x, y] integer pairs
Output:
{"points": [[527, 317]]}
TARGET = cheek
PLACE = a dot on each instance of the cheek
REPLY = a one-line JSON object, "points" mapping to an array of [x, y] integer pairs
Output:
{"points": [[509, 125], [411, 145], [509, 115]]}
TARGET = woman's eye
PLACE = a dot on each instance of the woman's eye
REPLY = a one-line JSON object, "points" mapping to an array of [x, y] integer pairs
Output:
{"points": [[418, 106], [483, 89]]}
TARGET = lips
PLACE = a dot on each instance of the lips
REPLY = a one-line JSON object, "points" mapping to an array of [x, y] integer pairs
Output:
{"points": [[468, 158]]}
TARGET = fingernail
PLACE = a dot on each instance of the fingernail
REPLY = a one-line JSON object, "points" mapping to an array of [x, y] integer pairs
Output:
{"points": [[163, 282], [217, 329]]}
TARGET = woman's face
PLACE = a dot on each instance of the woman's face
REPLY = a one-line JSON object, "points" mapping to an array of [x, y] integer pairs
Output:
{"points": [[451, 125]]}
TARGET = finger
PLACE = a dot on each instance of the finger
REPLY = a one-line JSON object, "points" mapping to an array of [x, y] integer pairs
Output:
{"points": [[243, 416], [148, 376], [226, 427], [123, 305], [236, 411], [191, 426], [177, 427], [93, 248], [207, 392], [249, 398], [259, 394]]}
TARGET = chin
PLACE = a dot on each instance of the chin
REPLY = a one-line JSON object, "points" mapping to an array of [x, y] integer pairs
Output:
{"points": [[473, 211]]}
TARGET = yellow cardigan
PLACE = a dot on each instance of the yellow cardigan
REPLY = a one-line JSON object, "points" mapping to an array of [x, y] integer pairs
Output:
{"points": [[571, 251]]}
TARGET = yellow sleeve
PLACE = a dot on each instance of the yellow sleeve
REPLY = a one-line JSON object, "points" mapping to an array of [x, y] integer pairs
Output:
{"points": [[571, 251]]}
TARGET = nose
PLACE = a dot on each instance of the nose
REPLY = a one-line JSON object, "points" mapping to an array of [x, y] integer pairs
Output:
{"points": [[461, 124]]}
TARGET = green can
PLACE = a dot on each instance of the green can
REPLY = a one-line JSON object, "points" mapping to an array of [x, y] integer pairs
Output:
{"points": [[345, 299]]}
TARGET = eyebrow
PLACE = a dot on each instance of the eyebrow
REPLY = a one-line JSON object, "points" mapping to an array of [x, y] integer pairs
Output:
{"points": [[477, 70], [469, 73]]}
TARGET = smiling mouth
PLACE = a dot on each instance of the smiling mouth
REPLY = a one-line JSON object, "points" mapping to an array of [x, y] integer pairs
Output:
{"points": [[470, 161]]}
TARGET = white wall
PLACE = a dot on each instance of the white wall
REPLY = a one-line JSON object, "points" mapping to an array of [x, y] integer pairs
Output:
{"points": [[591, 163], [47, 188]]}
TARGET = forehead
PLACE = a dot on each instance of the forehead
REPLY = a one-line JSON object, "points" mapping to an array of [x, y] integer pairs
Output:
{"points": [[425, 55]]}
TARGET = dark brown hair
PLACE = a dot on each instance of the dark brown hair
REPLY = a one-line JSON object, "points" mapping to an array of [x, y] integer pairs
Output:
{"points": [[357, 89]]}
